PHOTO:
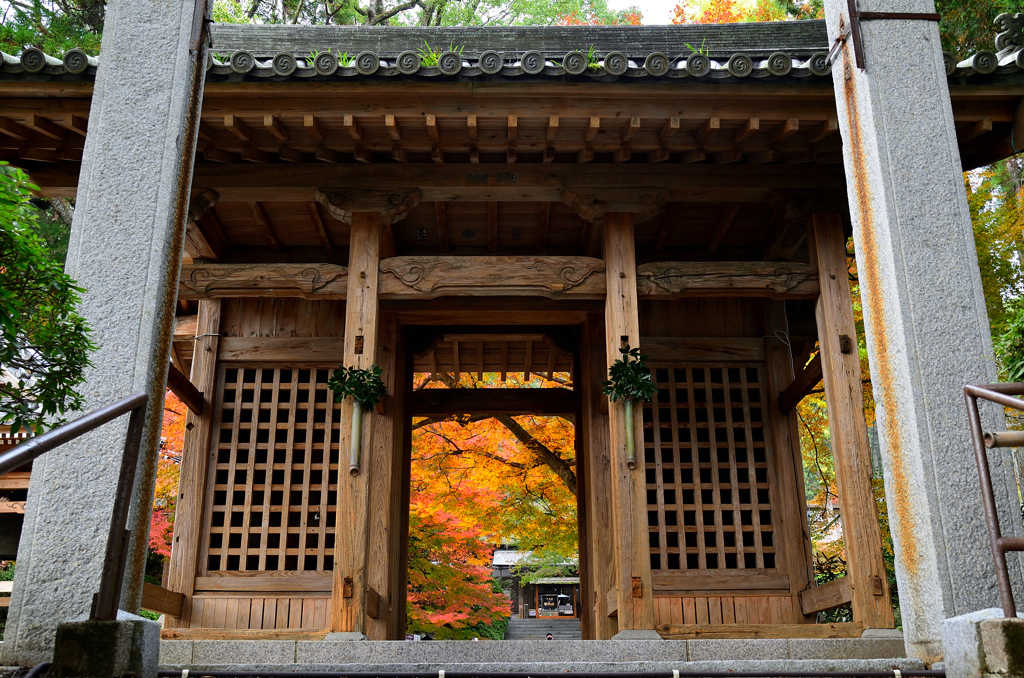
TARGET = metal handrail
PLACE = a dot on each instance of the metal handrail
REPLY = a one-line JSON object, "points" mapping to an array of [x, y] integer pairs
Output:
{"points": [[105, 602], [1001, 394]]}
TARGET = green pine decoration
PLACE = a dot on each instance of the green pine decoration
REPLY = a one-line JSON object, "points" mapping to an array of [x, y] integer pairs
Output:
{"points": [[630, 381], [366, 389]]}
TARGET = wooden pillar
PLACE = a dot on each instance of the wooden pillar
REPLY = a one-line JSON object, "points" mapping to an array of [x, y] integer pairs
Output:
{"points": [[792, 543], [349, 596], [629, 493], [840, 360], [385, 458], [195, 459], [596, 477]]}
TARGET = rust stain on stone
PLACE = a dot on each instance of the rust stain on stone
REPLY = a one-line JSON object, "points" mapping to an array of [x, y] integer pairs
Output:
{"points": [[881, 368]]}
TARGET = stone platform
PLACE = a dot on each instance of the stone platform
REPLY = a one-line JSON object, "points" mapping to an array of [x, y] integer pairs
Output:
{"points": [[819, 655]]}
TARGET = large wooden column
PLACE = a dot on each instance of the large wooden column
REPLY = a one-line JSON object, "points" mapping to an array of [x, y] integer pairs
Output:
{"points": [[195, 460], [349, 597], [628, 491], [840, 360], [596, 475]]}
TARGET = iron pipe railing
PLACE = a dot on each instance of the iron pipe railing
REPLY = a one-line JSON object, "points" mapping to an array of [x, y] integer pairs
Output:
{"points": [[105, 602], [1001, 394], [892, 673]]}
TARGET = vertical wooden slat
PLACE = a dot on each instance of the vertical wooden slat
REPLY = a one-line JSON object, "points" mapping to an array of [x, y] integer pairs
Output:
{"points": [[188, 523], [270, 466], [716, 507], [728, 610], [231, 613], [654, 407], [629, 501], [256, 613], [689, 610], [250, 471], [349, 613], [700, 604], [307, 470], [677, 469], [270, 613], [295, 613], [714, 610], [698, 506], [289, 455], [793, 548], [283, 613], [196, 618], [840, 360]]}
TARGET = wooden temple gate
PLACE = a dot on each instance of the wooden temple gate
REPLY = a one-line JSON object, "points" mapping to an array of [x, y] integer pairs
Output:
{"points": [[511, 225]]}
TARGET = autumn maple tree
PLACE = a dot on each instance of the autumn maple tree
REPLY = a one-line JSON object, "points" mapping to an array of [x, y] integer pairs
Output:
{"points": [[172, 441]]}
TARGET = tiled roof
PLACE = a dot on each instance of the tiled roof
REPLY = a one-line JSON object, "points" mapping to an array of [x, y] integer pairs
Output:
{"points": [[733, 52]]}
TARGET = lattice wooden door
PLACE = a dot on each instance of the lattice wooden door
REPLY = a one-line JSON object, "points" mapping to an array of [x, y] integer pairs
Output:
{"points": [[271, 499], [712, 499]]}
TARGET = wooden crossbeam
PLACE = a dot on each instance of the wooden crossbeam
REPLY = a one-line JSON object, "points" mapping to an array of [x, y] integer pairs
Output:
{"points": [[632, 127], [254, 155], [710, 126], [693, 155], [45, 127], [724, 223], [823, 130], [273, 124], [593, 127], [543, 223], [15, 130], [318, 223], [431, 121], [750, 126], [826, 596], [324, 154], [391, 125], [492, 226], [669, 129], [668, 220], [260, 215], [351, 125], [185, 390], [471, 128], [442, 225], [158, 599], [785, 130], [511, 401], [697, 631], [79, 124], [983, 126], [234, 125], [552, 130], [802, 385], [513, 128], [313, 126]]}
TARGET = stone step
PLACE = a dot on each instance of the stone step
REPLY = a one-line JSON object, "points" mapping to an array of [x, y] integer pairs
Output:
{"points": [[841, 654]]}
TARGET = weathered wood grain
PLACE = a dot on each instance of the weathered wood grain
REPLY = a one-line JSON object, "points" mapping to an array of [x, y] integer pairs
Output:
{"points": [[551, 277], [826, 596], [158, 599], [306, 350], [840, 359], [759, 630], [308, 281], [676, 279]]}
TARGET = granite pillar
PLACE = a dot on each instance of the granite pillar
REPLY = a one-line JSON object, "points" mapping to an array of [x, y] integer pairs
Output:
{"points": [[125, 250], [927, 328]]}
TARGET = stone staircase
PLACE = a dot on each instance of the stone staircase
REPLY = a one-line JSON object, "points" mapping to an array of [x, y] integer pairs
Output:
{"points": [[566, 628]]}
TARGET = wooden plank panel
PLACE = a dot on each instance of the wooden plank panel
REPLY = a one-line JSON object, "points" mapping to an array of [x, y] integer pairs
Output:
{"points": [[700, 604], [701, 349], [256, 613], [689, 611], [295, 606], [757, 630], [270, 613], [243, 634], [195, 619], [328, 350], [714, 609], [837, 336], [826, 596], [283, 613], [728, 610], [158, 599], [270, 581], [188, 522]]}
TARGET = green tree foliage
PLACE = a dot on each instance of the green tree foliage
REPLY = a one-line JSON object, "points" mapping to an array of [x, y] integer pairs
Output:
{"points": [[54, 26], [44, 343], [966, 26]]}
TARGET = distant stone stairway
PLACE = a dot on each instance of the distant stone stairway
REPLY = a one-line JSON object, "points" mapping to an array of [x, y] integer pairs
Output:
{"points": [[566, 628]]}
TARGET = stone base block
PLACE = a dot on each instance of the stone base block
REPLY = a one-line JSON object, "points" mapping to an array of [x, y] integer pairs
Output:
{"points": [[983, 645], [107, 649], [345, 635], [637, 634]]}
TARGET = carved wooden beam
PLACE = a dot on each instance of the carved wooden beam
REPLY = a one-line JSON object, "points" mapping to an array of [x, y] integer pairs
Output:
{"points": [[592, 208], [393, 204], [429, 277], [802, 385], [185, 390], [675, 279], [551, 277], [308, 281]]}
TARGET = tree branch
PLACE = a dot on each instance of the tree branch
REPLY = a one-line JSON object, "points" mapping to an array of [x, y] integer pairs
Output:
{"points": [[381, 18], [560, 466]]}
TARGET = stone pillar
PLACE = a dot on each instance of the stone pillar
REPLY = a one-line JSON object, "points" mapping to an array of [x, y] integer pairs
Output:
{"points": [[927, 329], [125, 250]]}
